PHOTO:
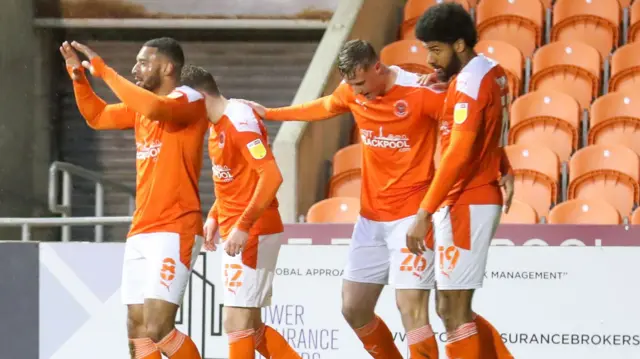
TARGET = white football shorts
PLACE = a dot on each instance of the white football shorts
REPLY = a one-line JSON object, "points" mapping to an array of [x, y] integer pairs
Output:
{"points": [[158, 266], [462, 235], [248, 278], [378, 254]]}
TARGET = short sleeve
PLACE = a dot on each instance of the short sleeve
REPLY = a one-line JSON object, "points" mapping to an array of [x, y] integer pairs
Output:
{"points": [[248, 137], [470, 100]]}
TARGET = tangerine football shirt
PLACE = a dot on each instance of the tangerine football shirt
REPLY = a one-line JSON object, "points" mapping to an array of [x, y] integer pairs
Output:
{"points": [[399, 136], [472, 129], [245, 174], [169, 133]]}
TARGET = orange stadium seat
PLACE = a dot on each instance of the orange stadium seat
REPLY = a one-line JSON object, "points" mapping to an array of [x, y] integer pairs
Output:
{"points": [[615, 119], [509, 57], [346, 184], [571, 67], [608, 172], [625, 67], [410, 55], [633, 33], [537, 172], [584, 211], [414, 9], [519, 213], [596, 23], [518, 22], [347, 159], [334, 210], [635, 216], [547, 118]]}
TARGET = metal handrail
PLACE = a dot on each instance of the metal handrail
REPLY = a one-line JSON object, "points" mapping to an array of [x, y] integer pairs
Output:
{"points": [[64, 208], [27, 223]]}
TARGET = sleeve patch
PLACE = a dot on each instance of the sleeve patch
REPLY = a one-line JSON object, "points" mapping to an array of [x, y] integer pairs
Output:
{"points": [[460, 112], [257, 149]]}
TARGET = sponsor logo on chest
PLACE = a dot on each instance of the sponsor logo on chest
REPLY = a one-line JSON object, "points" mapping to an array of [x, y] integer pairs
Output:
{"points": [[148, 150], [222, 173], [381, 140]]}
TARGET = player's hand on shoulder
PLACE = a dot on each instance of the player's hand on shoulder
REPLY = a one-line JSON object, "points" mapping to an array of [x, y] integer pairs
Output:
{"points": [[258, 108], [210, 229], [72, 60], [431, 81], [236, 242], [507, 184]]}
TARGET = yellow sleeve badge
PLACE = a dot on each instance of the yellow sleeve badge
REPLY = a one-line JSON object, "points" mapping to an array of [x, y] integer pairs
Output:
{"points": [[460, 113], [257, 149]]}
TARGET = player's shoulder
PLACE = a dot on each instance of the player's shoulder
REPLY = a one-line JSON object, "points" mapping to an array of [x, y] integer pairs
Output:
{"points": [[477, 73], [242, 117], [411, 81], [187, 93]]}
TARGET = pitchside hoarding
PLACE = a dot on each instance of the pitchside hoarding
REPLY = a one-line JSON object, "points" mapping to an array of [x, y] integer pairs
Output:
{"points": [[554, 292]]}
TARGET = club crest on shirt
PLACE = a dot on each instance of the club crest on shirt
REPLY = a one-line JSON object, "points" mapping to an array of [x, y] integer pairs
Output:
{"points": [[221, 139], [460, 112], [401, 108], [257, 149]]}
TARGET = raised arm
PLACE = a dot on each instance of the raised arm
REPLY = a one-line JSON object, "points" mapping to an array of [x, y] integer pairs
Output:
{"points": [[183, 105], [98, 114]]}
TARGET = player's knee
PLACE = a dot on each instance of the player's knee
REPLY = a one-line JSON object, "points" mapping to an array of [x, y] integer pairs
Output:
{"points": [[158, 327], [356, 315], [236, 319], [413, 305], [135, 322], [136, 328], [454, 308]]}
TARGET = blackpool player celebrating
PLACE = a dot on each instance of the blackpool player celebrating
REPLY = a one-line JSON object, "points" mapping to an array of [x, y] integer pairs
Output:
{"points": [[464, 200], [166, 234], [398, 124], [246, 181]]}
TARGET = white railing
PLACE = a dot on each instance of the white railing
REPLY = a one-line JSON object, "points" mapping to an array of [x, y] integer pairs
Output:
{"points": [[64, 208], [27, 223]]}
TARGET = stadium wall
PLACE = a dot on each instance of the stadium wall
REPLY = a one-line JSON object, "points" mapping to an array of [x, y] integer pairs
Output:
{"points": [[26, 76], [304, 150], [554, 291]]}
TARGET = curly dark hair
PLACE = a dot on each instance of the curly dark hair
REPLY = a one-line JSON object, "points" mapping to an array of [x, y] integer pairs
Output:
{"points": [[447, 22]]}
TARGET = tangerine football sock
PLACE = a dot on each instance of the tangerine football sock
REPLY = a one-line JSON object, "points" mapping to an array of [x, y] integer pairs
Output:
{"points": [[422, 343], [144, 348], [176, 345], [464, 343], [241, 344], [378, 340], [271, 345], [489, 333]]}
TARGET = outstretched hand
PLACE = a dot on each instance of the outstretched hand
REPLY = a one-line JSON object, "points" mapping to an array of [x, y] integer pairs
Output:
{"points": [[72, 60]]}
